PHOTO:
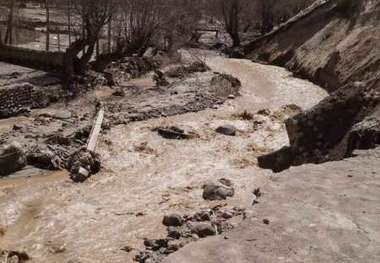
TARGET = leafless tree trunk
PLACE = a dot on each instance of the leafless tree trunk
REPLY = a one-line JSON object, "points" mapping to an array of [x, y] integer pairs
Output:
{"points": [[231, 11], [69, 19], [47, 25], [9, 32]]}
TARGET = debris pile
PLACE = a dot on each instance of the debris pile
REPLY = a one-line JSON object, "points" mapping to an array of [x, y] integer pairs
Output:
{"points": [[182, 230], [83, 164], [184, 70]]}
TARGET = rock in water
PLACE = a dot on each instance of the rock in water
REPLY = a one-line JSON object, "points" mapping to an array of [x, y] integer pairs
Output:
{"points": [[173, 220], [203, 229], [217, 192], [12, 159], [228, 130]]}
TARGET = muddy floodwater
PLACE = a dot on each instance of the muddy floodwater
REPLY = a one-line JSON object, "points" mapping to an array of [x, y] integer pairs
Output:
{"points": [[145, 176]]}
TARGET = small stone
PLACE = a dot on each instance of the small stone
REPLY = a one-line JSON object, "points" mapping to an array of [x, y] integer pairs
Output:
{"points": [[203, 216], [266, 221], [217, 192], [173, 232], [231, 96], [227, 214], [173, 220], [203, 229], [119, 93], [228, 130], [156, 244], [226, 182]]}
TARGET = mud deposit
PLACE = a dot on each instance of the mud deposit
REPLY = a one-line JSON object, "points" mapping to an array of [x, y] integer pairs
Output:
{"points": [[145, 176]]}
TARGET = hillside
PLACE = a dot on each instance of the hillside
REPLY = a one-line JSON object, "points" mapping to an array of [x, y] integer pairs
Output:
{"points": [[336, 45]]}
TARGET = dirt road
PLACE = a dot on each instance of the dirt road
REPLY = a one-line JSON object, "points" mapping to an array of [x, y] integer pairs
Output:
{"points": [[145, 176]]}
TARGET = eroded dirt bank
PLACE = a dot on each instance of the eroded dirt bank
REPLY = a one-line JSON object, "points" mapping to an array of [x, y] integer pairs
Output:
{"points": [[336, 45], [145, 176]]}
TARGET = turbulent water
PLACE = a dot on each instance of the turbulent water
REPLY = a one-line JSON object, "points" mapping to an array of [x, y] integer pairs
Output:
{"points": [[145, 176]]}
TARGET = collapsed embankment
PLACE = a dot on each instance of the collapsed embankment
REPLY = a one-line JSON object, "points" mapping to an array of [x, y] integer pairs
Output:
{"points": [[336, 45]]}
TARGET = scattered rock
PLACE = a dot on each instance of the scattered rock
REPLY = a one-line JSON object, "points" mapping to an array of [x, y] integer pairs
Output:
{"points": [[173, 232], [202, 224], [217, 192], [203, 229], [203, 215], [119, 92], [173, 132], [228, 130], [156, 244], [173, 220]]}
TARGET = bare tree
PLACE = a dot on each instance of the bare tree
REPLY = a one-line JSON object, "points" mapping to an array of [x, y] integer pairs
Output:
{"points": [[10, 23], [47, 8], [95, 14]]}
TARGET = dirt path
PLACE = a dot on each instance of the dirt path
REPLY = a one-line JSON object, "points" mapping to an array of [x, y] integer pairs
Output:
{"points": [[145, 176]]}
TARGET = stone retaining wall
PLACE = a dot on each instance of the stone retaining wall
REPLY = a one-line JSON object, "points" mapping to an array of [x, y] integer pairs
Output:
{"points": [[15, 98], [19, 98], [50, 61]]}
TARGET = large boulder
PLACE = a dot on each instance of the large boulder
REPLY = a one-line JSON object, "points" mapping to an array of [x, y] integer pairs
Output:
{"points": [[348, 119]]}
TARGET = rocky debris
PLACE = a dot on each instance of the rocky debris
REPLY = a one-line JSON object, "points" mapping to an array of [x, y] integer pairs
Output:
{"points": [[225, 85], [191, 94], [9, 256], [118, 70], [42, 157], [185, 70], [119, 92], [227, 129], [203, 229], [83, 164], [217, 192], [173, 220], [12, 159], [173, 132], [208, 222], [159, 79]]}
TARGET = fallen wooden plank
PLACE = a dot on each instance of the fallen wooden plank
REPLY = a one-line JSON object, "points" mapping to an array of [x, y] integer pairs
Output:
{"points": [[93, 139]]}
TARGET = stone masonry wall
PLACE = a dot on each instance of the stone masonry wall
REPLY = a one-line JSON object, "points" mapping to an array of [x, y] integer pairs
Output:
{"points": [[15, 98]]}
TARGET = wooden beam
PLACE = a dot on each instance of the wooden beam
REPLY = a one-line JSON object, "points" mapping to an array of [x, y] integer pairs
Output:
{"points": [[93, 139]]}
